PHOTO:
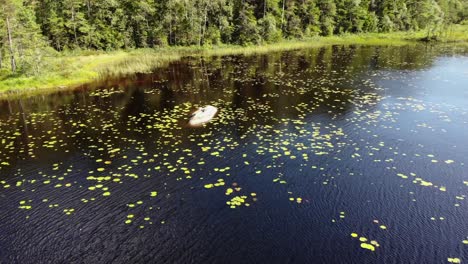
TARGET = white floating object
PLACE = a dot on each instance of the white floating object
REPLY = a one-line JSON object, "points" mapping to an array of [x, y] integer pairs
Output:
{"points": [[203, 115]]}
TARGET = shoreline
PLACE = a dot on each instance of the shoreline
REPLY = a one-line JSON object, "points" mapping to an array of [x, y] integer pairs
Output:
{"points": [[71, 70]]}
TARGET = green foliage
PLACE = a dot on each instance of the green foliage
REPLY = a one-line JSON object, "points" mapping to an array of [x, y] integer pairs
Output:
{"points": [[23, 42], [269, 30], [117, 24], [247, 30], [39, 28], [74, 67], [327, 17]]}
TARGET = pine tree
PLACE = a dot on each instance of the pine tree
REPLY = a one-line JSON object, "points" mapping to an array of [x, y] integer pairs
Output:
{"points": [[117, 24], [22, 36], [247, 31], [327, 17]]}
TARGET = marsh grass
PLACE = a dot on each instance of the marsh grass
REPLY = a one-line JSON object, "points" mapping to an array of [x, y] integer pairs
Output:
{"points": [[71, 69], [455, 33]]}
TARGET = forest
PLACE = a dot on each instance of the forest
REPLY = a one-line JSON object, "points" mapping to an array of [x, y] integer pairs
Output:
{"points": [[32, 29]]}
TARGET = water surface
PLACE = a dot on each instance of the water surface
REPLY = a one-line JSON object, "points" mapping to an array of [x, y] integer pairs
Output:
{"points": [[309, 147]]}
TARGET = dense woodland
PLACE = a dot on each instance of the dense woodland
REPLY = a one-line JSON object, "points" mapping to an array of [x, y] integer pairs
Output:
{"points": [[29, 29]]}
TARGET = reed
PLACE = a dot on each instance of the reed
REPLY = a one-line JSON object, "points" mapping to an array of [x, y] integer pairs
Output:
{"points": [[74, 68]]}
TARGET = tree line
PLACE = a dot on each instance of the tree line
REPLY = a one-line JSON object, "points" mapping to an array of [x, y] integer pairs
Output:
{"points": [[29, 27]]}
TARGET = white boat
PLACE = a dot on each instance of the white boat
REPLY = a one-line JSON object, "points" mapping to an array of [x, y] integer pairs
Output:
{"points": [[203, 115]]}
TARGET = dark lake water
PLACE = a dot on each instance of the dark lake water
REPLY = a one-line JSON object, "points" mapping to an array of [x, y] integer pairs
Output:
{"points": [[351, 154]]}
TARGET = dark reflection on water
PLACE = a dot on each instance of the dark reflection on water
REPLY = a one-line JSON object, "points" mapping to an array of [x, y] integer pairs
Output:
{"points": [[359, 134]]}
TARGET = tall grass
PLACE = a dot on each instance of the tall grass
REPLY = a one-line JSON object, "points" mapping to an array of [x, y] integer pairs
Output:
{"points": [[73, 68]]}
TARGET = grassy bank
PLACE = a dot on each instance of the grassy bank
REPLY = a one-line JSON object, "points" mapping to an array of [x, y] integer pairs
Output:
{"points": [[72, 69]]}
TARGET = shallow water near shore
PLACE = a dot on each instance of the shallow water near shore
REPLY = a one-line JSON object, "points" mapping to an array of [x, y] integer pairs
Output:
{"points": [[340, 154]]}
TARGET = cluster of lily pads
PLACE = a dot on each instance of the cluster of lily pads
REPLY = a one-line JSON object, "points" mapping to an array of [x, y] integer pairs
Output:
{"points": [[121, 147]]}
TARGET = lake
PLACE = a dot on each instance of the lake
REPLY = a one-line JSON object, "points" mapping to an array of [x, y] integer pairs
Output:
{"points": [[340, 154]]}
